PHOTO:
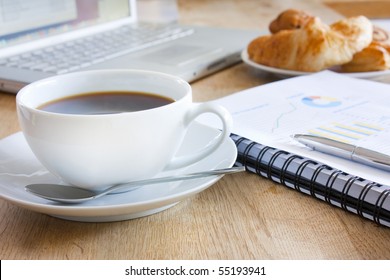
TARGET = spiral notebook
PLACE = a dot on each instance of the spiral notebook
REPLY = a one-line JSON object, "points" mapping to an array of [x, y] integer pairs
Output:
{"points": [[326, 104]]}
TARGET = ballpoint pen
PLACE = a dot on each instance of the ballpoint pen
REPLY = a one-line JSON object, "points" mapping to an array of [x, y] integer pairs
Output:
{"points": [[345, 150]]}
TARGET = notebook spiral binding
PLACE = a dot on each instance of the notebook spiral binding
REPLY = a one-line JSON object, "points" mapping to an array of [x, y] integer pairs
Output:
{"points": [[354, 194]]}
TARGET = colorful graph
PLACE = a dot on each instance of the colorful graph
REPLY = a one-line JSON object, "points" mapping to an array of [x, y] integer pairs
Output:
{"points": [[347, 132], [321, 101]]}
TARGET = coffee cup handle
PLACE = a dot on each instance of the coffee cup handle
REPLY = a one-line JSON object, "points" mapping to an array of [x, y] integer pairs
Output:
{"points": [[197, 110]]}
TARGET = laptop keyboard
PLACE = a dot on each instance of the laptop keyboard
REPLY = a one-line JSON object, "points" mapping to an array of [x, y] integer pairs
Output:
{"points": [[83, 52]]}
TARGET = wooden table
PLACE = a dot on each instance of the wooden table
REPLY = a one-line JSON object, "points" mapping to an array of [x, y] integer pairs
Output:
{"points": [[243, 216]]}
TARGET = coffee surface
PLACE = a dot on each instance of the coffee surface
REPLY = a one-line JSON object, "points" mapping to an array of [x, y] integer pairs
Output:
{"points": [[110, 102]]}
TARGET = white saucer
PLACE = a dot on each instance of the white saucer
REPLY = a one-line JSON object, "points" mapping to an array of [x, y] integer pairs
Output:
{"points": [[19, 167], [292, 73]]}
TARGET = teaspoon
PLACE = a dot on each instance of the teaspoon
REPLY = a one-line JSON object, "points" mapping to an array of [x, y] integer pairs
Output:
{"points": [[72, 194]]}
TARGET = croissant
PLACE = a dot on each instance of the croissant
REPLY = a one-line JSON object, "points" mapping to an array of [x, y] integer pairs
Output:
{"points": [[380, 35], [313, 47], [289, 19], [375, 57]]}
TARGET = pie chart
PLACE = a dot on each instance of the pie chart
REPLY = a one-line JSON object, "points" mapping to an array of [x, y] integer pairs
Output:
{"points": [[321, 101]]}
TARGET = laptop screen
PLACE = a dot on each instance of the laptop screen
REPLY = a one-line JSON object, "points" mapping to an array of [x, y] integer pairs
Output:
{"points": [[22, 21]]}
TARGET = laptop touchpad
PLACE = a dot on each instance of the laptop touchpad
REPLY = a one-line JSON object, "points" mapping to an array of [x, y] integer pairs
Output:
{"points": [[180, 54]]}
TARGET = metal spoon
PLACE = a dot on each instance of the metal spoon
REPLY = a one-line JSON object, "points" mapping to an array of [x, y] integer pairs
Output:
{"points": [[72, 194]]}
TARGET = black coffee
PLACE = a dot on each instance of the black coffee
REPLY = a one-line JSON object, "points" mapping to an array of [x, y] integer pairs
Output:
{"points": [[108, 102]]}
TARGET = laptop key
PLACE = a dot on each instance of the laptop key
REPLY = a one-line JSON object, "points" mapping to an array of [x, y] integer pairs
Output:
{"points": [[41, 66]]}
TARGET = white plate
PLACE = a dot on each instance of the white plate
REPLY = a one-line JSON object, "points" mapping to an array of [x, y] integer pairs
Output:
{"points": [[19, 167], [292, 73]]}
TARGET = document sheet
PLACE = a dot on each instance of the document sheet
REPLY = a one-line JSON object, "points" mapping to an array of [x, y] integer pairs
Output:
{"points": [[327, 104]]}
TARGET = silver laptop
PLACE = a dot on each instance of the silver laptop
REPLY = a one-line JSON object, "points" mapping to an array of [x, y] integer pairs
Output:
{"points": [[42, 38]]}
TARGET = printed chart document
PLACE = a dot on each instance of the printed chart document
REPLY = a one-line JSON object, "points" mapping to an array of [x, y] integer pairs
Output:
{"points": [[327, 104]]}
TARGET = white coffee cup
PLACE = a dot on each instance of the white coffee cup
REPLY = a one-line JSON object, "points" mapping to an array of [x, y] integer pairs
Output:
{"points": [[95, 151]]}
